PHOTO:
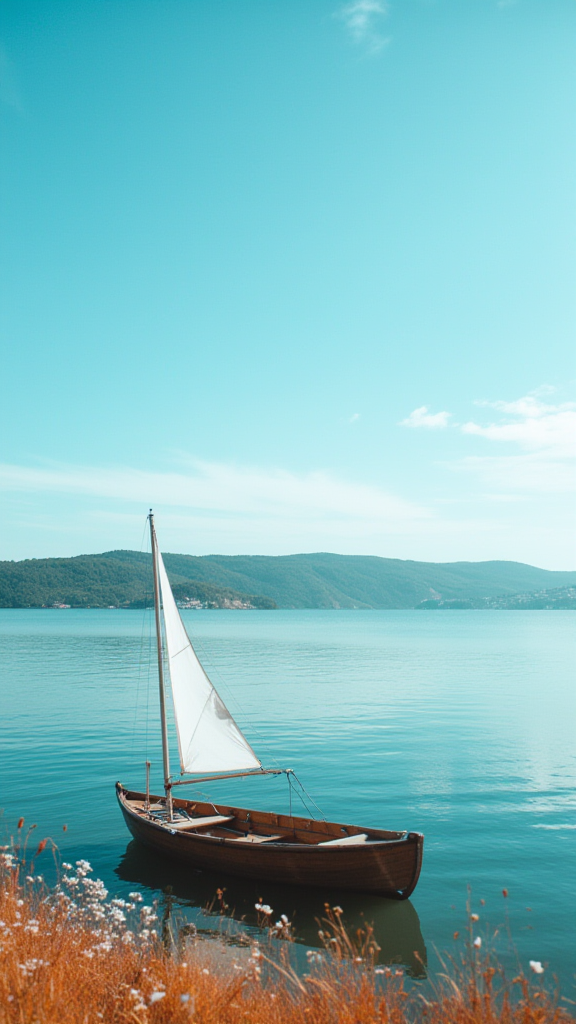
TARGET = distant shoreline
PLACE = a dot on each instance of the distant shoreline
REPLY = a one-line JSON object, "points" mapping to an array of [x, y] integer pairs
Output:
{"points": [[417, 608], [123, 579]]}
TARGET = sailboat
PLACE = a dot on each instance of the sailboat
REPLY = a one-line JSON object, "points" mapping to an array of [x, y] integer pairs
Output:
{"points": [[262, 845]]}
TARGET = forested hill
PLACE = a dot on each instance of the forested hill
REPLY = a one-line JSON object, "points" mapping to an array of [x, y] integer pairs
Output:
{"points": [[98, 581], [123, 578]]}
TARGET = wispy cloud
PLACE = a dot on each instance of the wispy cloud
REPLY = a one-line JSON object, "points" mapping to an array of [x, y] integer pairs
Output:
{"points": [[421, 417], [532, 424], [516, 462], [354, 417], [226, 491], [205, 507], [546, 436], [363, 19], [541, 440]]}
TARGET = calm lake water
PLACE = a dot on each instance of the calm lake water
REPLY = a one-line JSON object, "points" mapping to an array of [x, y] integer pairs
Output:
{"points": [[456, 724]]}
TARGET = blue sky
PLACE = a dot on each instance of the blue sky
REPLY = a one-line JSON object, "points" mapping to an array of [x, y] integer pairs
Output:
{"points": [[298, 274]]}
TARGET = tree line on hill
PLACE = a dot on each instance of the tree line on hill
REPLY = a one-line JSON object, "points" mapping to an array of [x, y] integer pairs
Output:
{"points": [[123, 579], [91, 581]]}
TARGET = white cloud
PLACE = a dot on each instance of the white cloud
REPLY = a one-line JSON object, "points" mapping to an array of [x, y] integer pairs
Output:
{"points": [[546, 435], [226, 490], [541, 440], [532, 424], [504, 504], [354, 417], [362, 19], [422, 418], [213, 507]]}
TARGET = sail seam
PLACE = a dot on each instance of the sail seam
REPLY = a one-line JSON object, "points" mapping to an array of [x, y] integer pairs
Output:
{"points": [[181, 651]]}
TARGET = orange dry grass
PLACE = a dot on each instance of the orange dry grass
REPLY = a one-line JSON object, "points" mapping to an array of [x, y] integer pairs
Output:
{"points": [[69, 956]]}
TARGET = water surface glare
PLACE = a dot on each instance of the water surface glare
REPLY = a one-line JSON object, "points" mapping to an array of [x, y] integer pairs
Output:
{"points": [[456, 724]]}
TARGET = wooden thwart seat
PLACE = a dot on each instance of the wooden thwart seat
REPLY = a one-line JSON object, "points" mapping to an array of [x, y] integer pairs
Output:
{"points": [[346, 840], [255, 839], [213, 819]]}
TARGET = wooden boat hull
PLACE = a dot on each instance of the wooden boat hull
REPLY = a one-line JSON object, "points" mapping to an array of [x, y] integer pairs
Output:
{"points": [[386, 864]]}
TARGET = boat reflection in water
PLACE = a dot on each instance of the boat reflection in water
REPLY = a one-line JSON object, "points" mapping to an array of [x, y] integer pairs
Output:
{"points": [[190, 895]]}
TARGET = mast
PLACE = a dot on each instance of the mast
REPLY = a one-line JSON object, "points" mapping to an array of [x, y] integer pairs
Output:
{"points": [[163, 725]]}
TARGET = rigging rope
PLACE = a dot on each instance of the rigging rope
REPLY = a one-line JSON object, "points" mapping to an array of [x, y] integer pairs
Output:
{"points": [[302, 794]]}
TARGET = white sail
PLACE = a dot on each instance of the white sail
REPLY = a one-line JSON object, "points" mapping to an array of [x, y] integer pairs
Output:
{"points": [[208, 738]]}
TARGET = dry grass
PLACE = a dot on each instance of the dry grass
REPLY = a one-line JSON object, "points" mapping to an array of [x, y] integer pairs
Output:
{"points": [[69, 955]]}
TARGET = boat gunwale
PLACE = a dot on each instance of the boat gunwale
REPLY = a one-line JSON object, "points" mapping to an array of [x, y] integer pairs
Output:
{"points": [[361, 857], [164, 827]]}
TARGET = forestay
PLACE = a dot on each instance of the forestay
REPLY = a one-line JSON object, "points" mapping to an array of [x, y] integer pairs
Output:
{"points": [[208, 738]]}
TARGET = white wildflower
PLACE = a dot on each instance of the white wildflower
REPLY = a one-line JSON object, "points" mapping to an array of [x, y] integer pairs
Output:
{"points": [[477, 942], [313, 956], [536, 966], [156, 997]]}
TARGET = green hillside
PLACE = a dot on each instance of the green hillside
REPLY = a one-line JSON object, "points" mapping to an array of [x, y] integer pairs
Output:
{"points": [[358, 581], [96, 581], [123, 579]]}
